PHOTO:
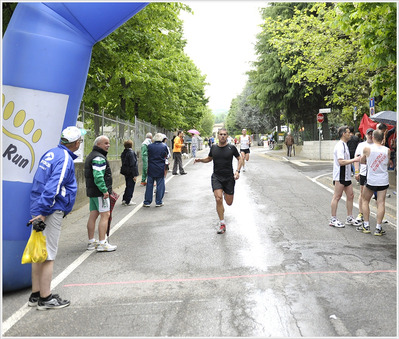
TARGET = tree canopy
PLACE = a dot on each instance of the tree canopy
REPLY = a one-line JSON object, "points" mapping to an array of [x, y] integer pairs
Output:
{"points": [[315, 55]]}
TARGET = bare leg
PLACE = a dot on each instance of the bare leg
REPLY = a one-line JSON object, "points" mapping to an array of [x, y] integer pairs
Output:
{"points": [[381, 205], [91, 223], [42, 274], [349, 199], [338, 189], [367, 194], [219, 203], [103, 225]]}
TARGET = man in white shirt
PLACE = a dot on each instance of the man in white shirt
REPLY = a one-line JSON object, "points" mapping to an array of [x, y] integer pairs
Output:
{"points": [[245, 143], [342, 179], [377, 158]]}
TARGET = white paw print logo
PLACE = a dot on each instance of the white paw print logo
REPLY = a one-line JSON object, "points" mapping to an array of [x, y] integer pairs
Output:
{"points": [[27, 136]]}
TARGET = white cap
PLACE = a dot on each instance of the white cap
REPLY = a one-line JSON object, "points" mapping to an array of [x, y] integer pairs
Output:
{"points": [[72, 133]]}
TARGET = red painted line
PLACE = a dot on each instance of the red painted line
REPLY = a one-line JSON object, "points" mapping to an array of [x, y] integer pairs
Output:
{"points": [[227, 278]]}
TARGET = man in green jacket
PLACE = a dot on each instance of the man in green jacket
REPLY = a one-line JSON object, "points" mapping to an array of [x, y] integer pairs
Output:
{"points": [[98, 177], [144, 157]]}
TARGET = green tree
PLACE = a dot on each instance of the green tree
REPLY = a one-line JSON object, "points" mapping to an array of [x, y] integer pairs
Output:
{"points": [[140, 70], [374, 25]]}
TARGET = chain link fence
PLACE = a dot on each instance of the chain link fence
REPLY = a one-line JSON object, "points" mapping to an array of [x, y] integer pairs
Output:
{"points": [[117, 130]]}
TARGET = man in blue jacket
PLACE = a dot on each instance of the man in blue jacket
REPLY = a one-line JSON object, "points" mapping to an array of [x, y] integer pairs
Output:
{"points": [[157, 153], [52, 198]]}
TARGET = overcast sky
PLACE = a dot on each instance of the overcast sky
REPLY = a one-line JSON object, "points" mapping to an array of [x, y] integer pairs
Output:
{"points": [[220, 40]]}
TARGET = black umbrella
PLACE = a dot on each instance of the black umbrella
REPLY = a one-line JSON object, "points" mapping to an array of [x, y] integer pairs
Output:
{"points": [[386, 117]]}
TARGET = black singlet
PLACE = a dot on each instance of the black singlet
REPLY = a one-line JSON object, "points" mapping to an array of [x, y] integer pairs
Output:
{"points": [[223, 159]]}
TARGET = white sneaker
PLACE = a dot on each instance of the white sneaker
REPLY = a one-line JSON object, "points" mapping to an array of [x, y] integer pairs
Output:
{"points": [[130, 203], [336, 223], [352, 221], [106, 247], [92, 245], [385, 221], [123, 203], [243, 169]]}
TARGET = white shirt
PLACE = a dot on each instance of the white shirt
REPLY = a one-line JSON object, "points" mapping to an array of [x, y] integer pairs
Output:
{"points": [[359, 151], [244, 142], [377, 166], [341, 173]]}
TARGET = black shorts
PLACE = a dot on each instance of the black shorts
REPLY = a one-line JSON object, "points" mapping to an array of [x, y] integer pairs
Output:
{"points": [[363, 180], [225, 183], [246, 151], [343, 182], [377, 188]]}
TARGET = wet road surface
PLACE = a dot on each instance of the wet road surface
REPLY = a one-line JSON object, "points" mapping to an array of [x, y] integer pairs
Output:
{"points": [[278, 271]]}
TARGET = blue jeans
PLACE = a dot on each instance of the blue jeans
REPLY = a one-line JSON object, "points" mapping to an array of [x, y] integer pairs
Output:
{"points": [[149, 190]]}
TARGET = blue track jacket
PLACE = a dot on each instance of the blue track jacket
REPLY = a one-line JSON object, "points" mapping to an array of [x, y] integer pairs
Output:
{"points": [[54, 185]]}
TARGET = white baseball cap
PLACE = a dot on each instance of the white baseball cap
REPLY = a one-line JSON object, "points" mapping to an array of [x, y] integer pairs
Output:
{"points": [[72, 133]]}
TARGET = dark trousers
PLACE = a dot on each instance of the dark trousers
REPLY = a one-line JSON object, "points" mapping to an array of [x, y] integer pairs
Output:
{"points": [[177, 162], [127, 196]]}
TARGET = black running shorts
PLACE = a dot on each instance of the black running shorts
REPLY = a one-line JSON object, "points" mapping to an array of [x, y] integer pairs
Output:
{"points": [[226, 184], [343, 182], [377, 188]]}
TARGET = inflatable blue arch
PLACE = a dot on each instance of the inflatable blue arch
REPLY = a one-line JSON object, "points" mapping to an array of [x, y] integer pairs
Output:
{"points": [[46, 57]]}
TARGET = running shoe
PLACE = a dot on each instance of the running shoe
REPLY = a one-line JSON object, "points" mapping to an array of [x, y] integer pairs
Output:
{"points": [[360, 218], [158, 205], [34, 300], [222, 228], [384, 221], [379, 231], [106, 247], [123, 203], [144, 205], [334, 222], [130, 203], [54, 302], [243, 169], [364, 229], [92, 245], [350, 220]]}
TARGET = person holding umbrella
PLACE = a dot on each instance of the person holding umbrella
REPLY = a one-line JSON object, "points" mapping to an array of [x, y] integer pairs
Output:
{"points": [[98, 177]]}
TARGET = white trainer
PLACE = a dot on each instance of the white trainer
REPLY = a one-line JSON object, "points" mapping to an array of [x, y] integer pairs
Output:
{"points": [[106, 247]]}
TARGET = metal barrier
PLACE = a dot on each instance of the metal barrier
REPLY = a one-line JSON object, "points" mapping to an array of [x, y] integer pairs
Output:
{"points": [[117, 130]]}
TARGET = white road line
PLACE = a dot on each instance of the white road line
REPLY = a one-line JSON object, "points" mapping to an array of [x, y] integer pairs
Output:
{"points": [[15, 317]]}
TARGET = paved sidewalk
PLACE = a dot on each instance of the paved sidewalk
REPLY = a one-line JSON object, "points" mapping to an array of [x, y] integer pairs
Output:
{"points": [[326, 180]]}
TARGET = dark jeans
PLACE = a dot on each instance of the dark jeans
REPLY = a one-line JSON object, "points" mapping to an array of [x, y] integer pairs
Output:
{"points": [[177, 162], [149, 190], [127, 196]]}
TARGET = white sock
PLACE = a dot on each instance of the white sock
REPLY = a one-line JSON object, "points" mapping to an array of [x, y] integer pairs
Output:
{"points": [[222, 221], [366, 223], [102, 242], [92, 240], [378, 226]]}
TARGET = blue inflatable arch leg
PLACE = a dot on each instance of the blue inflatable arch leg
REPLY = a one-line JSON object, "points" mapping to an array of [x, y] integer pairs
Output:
{"points": [[46, 56]]}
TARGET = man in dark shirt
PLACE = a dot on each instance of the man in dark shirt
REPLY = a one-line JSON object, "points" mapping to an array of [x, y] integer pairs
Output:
{"points": [[223, 177], [352, 145]]}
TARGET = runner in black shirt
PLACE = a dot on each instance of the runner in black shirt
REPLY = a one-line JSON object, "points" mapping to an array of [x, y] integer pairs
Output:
{"points": [[223, 177]]}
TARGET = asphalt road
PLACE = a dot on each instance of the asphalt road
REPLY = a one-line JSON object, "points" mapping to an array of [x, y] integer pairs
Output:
{"points": [[278, 271]]}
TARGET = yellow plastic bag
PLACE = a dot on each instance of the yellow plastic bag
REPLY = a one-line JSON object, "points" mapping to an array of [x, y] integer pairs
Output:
{"points": [[35, 250]]}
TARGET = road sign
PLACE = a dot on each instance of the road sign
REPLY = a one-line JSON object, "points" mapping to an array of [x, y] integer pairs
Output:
{"points": [[324, 110], [320, 117]]}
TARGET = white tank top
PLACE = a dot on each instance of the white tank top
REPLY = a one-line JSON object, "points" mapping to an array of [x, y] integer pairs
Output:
{"points": [[244, 142], [377, 166]]}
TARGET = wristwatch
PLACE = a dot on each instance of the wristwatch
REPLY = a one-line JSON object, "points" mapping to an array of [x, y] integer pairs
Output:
{"points": [[238, 171]]}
